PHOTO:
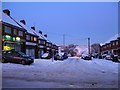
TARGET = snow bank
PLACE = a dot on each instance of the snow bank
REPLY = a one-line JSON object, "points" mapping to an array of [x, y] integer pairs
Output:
{"points": [[82, 49], [72, 72]]}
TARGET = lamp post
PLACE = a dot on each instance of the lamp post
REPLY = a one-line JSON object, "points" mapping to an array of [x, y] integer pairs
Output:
{"points": [[88, 45]]}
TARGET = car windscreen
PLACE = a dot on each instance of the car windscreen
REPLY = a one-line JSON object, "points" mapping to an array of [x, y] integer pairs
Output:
{"points": [[23, 54]]}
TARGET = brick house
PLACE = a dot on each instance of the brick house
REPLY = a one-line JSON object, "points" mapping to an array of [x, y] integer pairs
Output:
{"points": [[16, 35], [41, 43], [31, 40], [13, 35], [112, 47]]}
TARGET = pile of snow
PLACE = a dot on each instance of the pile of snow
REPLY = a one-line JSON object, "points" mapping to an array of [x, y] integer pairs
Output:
{"points": [[70, 73], [45, 55], [82, 49]]}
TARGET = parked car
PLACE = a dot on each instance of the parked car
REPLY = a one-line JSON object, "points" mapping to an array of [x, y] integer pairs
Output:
{"points": [[65, 56], [60, 57], [108, 57], [46, 56], [114, 58], [86, 57], [16, 57], [118, 58], [103, 56]]}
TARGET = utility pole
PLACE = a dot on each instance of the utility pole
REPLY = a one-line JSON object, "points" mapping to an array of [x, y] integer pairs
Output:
{"points": [[63, 39], [88, 45]]}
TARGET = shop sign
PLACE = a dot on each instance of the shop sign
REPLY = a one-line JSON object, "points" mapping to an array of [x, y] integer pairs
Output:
{"points": [[7, 47]]}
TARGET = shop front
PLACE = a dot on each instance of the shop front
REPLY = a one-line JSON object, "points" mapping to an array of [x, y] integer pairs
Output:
{"points": [[41, 51], [31, 49], [15, 43]]}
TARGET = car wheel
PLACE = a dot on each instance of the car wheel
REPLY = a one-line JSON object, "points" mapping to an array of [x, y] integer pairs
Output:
{"points": [[3, 60], [23, 62]]}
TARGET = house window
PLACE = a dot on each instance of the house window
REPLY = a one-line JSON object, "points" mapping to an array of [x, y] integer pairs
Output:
{"points": [[7, 29], [35, 39], [116, 42], [50, 45], [47, 44], [110, 45], [113, 43], [31, 38], [43, 42], [20, 33], [15, 31], [39, 41], [27, 37]]}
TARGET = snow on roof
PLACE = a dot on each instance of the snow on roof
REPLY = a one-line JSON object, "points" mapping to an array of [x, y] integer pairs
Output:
{"points": [[38, 34], [112, 38], [46, 39], [101, 44], [26, 28], [7, 19]]}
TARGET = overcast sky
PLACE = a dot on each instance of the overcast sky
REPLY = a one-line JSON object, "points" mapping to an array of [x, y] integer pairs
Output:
{"points": [[77, 21]]}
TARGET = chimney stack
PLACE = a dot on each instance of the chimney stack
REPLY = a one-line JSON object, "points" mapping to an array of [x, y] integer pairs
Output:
{"points": [[40, 32], [23, 22], [33, 28], [45, 35], [6, 11]]}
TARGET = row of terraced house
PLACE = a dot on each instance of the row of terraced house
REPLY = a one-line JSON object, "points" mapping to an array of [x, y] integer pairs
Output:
{"points": [[112, 47], [16, 35]]}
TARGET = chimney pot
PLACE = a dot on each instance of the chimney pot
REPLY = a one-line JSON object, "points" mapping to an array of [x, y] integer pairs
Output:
{"points": [[40, 32], [33, 28], [45, 35], [23, 21], [6, 11]]}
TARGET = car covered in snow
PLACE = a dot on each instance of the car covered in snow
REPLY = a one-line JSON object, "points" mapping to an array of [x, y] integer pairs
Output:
{"points": [[118, 58], [86, 57], [46, 56], [114, 58], [109, 57], [16, 57], [60, 56]]}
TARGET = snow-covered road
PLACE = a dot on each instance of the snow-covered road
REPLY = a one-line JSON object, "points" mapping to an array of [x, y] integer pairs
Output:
{"points": [[70, 73]]}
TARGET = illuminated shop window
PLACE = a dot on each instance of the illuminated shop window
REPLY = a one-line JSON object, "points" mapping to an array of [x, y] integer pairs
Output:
{"points": [[7, 38], [7, 47], [18, 39]]}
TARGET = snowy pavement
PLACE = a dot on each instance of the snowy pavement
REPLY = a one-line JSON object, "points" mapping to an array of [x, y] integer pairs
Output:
{"points": [[70, 73]]}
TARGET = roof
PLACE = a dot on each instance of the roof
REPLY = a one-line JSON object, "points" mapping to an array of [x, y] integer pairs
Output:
{"points": [[26, 28], [7, 19], [38, 34], [112, 38], [46, 39]]}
